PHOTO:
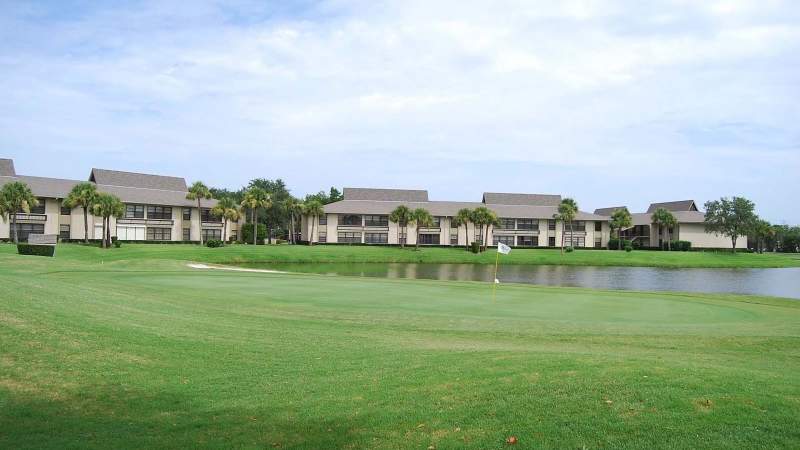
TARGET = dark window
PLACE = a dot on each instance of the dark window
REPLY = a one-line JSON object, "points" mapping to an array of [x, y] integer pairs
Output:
{"points": [[598, 226], [376, 221], [323, 237], [576, 241], [65, 210], [159, 234], [212, 233], [187, 234], [429, 239], [402, 238], [453, 238], [159, 212], [187, 213], [506, 224], [349, 237], [134, 211], [551, 224], [437, 222], [376, 238], [351, 220], [235, 236], [528, 241], [508, 240], [597, 243], [38, 209], [63, 231], [25, 229], [577, 226], [551, 241], [453, 223], [323, 219], [206, 216], [527, 224]]}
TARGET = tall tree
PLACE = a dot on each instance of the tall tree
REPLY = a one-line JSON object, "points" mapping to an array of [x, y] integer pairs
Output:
{"points": [[16, 197], [401, 216], [665, 220], [422, 218], [620, 219], [107, 206], [484, 218], [255, 198], [313, 209], [334, 195], [761, 231], [294, 208], [463, 217], [199, 191], [226, 209], [274, 214], [83, 195], [567, 210], [730, 217]]}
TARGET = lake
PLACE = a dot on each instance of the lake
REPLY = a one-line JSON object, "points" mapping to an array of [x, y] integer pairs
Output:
{"points": [[783, 282]]}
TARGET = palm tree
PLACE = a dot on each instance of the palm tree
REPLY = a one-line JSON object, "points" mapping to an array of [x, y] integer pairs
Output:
{"points": [[225, 210], [83, 195], [107, 206], [664, 219], [463, 217], [16, 197], [422, 219], [313, 209], [255, 198], [401, 216], [620, 219], [294, 207], [199, 191], [484, 217], [567, 210]]}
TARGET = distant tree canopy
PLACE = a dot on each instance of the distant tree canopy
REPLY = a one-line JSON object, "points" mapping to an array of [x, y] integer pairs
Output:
{"points": [[334, 195]]}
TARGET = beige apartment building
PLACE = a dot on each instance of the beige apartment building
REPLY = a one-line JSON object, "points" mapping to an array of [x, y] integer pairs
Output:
{"points": [[156, 208], [525, 220]]}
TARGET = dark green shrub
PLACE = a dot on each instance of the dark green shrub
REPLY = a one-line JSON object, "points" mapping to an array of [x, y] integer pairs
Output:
{"points": [[613, 243], [475, 247], [213, 243], [36, 250], [628, 248], [247, 233], [569, 249], [117, 244]]}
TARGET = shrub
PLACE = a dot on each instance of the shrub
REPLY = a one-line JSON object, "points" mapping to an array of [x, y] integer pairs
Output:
{"points": [[569, 249], [628, 248], [677, 246], [475, 247], [247, 233], [213, 243], [280, 241], [117, 244], [36, 250], [613, 243]]}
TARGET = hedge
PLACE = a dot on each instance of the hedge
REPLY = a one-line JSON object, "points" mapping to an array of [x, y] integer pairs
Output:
{"points": [[247, 233], [36, 250]]}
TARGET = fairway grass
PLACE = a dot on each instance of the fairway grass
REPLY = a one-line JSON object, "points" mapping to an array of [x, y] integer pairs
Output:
{"points": [[129, 348]]}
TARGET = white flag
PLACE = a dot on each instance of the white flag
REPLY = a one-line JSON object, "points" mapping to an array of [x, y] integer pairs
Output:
{"points": [[503, 249]]}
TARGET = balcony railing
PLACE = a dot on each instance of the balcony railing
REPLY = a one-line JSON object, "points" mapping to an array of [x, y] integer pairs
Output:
{"points": [[32, 217]]}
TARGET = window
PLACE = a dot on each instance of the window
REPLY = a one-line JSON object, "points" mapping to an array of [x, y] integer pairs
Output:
{"points": [[323, 237], [63, 232], [402, 238], [376, 238], [351, 220], [528, 241], [598, 226], [551, 241], [134, 211], [508, 240], [506, 224], [206, 216], [598, 243], [349, 237], [235, 236], [159, 234], [551, 225], [453, 238], [65, 210], [159, 212], [323, 219], [578, 225], [25, 229], [437, 222], [38, 209], [376, 221], [576, 241], [187, 213], [453, 223], [527, 224], [429, 239], [187, 234], [212, 233], [479, 235]]}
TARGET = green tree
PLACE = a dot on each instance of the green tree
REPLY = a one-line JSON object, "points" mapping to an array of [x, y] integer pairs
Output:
{"points": [[15, 198], [255, 198], [620, 220], [83, 195], [199, 191], [294, 208], [567, 210], [730, 217], [275, 215], [664, 219], [484, 217], [761, 232], [107, 206], [226, 209], [313, 209], [422, 218], [401, 216], [463, 217]]}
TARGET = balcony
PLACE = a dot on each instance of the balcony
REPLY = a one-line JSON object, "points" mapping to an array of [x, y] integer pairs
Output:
{"points": [[25, 217]]}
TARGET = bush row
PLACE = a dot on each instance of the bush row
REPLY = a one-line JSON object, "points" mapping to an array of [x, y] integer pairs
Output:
{"points": [[36, 250]]}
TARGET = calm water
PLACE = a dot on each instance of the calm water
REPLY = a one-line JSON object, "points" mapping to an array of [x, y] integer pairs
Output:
{"points": [[774, 282]]}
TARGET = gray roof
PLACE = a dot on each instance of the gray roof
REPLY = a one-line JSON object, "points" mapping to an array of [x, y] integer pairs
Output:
{"points": [[680, 216], [43, 187], [153, 196], [496, 198], [137, 180], [608, 211], [383, 195], [680, 205], [7, 167]]}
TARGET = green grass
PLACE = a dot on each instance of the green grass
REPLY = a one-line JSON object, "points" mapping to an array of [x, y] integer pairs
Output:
{"points": [[142, 352], [364, 254]]}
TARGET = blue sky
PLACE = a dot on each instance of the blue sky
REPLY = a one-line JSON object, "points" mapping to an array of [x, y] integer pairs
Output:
{"points": [[611, 102]]}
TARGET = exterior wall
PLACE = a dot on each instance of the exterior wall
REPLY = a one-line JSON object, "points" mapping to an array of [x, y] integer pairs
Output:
{"points": [[5, 228], [696, 234]]}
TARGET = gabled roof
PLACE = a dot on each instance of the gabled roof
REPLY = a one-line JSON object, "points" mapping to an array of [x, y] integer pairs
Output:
{"points": [[608, 211], [680, 217], [137, 180], [496, 198], [680, 205], [7, 167], [385, 195]]}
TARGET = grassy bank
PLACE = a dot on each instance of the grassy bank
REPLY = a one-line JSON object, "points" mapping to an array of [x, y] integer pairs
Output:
{"points": [[362, 254], [142, 352]]}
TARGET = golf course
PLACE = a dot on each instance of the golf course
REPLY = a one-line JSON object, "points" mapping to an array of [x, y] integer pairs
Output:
{"points": [[133, 348]]}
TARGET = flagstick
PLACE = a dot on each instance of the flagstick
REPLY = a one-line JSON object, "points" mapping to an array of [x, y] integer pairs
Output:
{"points": [[494, 280]]}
